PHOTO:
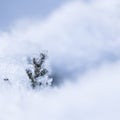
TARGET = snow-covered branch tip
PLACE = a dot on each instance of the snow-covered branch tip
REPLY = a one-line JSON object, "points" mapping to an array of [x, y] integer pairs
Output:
{"points": [[38, 75]]}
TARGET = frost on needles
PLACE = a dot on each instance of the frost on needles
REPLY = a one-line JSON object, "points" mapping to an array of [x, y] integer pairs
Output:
{"points": [[37, 74]]}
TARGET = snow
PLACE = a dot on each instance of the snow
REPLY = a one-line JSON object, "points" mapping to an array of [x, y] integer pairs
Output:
{"points": [[82, 40]]}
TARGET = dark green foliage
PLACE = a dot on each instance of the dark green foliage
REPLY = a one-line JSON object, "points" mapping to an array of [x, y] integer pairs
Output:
{"points": [[38, 71]]}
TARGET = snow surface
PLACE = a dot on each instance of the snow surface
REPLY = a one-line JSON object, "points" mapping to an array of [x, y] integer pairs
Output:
{"points": [[83, 43]]}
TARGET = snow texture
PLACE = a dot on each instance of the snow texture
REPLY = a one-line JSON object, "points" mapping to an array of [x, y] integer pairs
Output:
{"points": [[83, 43]]}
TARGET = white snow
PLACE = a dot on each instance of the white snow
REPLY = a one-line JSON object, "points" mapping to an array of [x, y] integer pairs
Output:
{"points": [[83, 44]]}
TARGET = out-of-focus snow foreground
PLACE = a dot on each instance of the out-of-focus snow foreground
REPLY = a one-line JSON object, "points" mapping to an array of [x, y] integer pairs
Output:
{"points": [[83, 43]]}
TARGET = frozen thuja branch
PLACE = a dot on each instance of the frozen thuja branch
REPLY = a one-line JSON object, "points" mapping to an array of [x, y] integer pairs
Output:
{"points": [[38, 75]]}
